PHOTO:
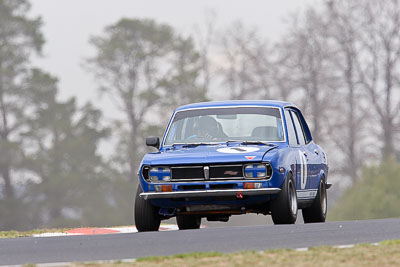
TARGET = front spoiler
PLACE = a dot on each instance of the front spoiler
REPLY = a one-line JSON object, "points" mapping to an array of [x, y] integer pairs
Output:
{"points": [[210, 193]]}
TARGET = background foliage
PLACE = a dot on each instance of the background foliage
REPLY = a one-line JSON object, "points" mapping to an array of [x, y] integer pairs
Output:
{"points": [[339, 61], [375, 195]]}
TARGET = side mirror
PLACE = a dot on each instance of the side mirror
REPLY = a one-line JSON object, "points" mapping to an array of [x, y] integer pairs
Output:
{"points": [[153, 141]]}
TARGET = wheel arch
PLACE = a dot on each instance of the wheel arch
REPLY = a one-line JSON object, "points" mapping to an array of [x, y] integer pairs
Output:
{"points": [[321, 175]]}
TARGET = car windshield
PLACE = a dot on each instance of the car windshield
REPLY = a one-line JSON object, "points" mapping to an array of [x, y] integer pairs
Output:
{"points": [[213, 125]]}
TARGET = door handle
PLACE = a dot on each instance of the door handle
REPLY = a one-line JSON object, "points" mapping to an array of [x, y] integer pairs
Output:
{"points": [[316, 151], [304, 153]]}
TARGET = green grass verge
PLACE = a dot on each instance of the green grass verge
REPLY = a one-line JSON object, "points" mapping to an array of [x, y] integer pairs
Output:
{"points": [[387, 253], [13, 234]]}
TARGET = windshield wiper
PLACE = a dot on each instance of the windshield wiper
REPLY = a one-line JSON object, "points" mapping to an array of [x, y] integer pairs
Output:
{"points": [[244, 142], [258, 143], [233, 141], [193, 144]]}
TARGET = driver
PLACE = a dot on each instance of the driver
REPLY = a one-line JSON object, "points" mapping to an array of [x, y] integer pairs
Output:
{"points": [[209, 128]]}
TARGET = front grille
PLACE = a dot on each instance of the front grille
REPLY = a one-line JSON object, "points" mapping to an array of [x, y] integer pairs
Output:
{"points": [[216, 172], [187, 173], [226, 171]]}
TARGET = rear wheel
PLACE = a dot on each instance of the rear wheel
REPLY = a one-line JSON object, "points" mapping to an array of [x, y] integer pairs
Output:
{"points": [[284, 207], [317, 212], [186, 222], [146, 215]]}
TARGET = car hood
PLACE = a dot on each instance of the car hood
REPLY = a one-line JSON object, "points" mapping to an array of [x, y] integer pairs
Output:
{"points": [[208, 154]]}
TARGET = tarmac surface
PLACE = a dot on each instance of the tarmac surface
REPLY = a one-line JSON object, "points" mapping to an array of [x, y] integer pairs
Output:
{"points": [[33, 250]]}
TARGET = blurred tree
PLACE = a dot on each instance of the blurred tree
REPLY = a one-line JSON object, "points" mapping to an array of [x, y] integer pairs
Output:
{"points": [[374, 196], [379, 69], [306, 63], [281, 68], [181, 85], [129, 65], [19, 39], [238, 66], [262, 63], [204, 37], [143, 65], [70, 185], [343, 33]]}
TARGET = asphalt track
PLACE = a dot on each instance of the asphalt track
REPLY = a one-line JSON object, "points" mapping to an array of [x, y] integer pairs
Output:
{"points": [[224, 239]]}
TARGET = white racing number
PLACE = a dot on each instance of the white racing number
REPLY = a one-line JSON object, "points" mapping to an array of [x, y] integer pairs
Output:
{"points": [[237, 149], [303, 170]]}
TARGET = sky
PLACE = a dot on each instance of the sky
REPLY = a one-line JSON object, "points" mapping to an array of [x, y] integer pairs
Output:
{"points": [[68, 25]]}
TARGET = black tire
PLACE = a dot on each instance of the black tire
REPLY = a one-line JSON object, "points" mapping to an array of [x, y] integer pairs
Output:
{"points": [[146, 215], [316, 213], [284, 206], [186, 222]]}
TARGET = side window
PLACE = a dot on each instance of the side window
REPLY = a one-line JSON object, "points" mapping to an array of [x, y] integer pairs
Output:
{"points": [[291, 133], [299, 129], [306, 130]]}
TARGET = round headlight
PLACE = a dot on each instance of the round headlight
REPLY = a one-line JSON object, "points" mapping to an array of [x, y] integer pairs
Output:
{"points": [[257, 171], [158, 174], [166, 178]]}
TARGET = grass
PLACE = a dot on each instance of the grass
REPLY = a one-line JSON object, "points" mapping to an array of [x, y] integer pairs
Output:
{"points": [[13, 234], [387, 253]]}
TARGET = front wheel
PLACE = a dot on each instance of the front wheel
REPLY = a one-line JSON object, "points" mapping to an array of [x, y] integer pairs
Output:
{"points": [[317, 212], [284, 206], [146, 215], [186, 222]]}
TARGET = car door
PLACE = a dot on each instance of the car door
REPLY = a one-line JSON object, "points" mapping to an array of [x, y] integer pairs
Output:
{"points": [[299, 160], [311, 157]]}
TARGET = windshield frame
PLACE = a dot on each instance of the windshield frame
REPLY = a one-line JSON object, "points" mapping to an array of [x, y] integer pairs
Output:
{"points": [[220, 107]]}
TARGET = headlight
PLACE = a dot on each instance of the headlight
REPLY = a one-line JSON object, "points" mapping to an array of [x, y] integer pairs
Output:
{"points": [[160, 174], [257, 171]]}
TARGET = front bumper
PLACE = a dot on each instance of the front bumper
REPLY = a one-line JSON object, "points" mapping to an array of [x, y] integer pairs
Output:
{"points": [[210, 193]]}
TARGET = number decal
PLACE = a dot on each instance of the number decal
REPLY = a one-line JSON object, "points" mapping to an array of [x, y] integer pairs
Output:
{"points": [[303, 170], [235, 150]]}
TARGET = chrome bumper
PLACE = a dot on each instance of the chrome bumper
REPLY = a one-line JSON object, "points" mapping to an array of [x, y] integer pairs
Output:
{"points": [[210, 193]]}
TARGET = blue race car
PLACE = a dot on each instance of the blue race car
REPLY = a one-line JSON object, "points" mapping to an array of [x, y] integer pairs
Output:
{"points": [[218, 159]]}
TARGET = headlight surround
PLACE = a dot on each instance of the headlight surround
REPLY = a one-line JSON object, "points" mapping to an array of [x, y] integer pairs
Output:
{"points": [[256, 171], [159, 174]]}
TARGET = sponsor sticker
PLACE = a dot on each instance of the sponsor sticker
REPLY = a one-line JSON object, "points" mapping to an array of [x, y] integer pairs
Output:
{"points": [[232, 173]]}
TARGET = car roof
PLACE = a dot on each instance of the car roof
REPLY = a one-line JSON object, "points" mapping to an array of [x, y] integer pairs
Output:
{"points": [[236, 103]]}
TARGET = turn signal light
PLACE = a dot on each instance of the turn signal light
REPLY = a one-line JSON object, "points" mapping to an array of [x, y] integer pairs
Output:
{"points": [[252, 185], [166, 188], [163, 188]]}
